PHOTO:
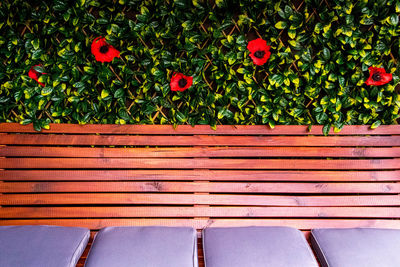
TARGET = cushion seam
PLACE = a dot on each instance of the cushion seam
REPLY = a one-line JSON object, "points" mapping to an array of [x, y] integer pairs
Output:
{"points": [[85, 238], [91, 248], [320, 249], [204, 247], [307, 247], [194, 250]]}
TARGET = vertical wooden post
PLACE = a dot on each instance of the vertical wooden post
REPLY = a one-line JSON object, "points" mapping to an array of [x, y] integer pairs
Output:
{"points": [[1, 172], [200, 243], [201, 193]]}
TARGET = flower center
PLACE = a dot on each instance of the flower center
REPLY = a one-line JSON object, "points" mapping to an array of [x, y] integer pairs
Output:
{"points": [[259, 54], [182, 83], [104, 49], [376, 76]]}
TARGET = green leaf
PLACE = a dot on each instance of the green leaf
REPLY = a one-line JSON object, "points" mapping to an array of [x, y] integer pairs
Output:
{"points": [[292, 34], [26, 121], [326, 129], [39, 69], [281, 25], [35, 44], [219, 2], [180, 116], [376, 124], [240, 70], [240, 40], [394, 19], [104, 93], [326, 53], [119, 93], [46, 90]]}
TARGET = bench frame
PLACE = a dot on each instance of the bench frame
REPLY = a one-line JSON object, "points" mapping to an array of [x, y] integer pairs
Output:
{"points": [[124, 175]]}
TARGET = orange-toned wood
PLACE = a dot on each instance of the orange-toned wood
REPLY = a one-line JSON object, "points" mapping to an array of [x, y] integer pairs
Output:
{"points": [[200, 224], [199, 163], [184, 152], [214, 175], [192, 199], [199, 211], [201, 187], [200, 129], [198, 140], [135, 175]]}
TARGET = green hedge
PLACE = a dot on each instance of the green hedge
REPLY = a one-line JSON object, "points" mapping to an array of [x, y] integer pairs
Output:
{"points": [[321, 51]]}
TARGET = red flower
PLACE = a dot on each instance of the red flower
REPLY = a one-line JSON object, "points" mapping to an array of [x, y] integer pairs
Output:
{"points": [[102, 51], [180, 82], [35, 75], [378, 76], [259, 51]]}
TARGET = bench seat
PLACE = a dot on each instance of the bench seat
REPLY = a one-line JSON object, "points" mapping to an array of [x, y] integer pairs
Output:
{"points": [[41, 245], [256, 247], [357, 247], [144, 247]]}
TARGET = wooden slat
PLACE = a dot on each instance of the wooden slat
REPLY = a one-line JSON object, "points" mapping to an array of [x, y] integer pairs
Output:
{"points": [[238, 187], [216, 212], [199, 163], [95, 152], [303, 224], [192, 199], [198, 140], [200, 129], [213, 175]]}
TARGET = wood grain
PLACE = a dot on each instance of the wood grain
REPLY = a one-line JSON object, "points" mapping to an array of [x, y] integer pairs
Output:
{"points": [[192, 199], [200, 129], [213, 175], [188, 152], [213, 187], [215, 212], [198, 140], [198, 163], [302, 224]]}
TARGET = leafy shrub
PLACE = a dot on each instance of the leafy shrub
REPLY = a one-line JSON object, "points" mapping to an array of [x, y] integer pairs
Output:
{"points": [[321, 51]]}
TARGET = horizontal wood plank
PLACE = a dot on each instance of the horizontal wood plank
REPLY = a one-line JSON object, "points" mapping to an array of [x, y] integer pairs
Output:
{"points": [[302, 224], [155, 152], [197, 199], [213, 175], [200, 129], [198, 140], [215, 187], [198, 163], [216, 212]]}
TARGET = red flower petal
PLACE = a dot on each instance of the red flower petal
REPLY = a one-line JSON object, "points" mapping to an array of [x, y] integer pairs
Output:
{"points": [[258, 44], [32, 73], [103, 57], [375, 69], [369, 81], [260, 61], [176, 77], [384, 77]]}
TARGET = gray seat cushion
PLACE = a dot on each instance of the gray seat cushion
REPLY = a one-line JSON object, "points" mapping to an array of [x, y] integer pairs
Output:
{"points": [[357, 247], [144, 247], [41, 246], [256, 247]]}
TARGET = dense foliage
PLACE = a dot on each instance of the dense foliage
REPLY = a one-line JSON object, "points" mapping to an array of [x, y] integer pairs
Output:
{"points": [[320, 54]]}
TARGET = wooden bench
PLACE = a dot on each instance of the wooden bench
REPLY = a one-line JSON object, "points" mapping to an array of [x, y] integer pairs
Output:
{"points": [[118, 175]]}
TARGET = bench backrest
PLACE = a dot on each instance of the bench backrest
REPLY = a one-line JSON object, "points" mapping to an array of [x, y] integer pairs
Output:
{"points": [[108, 175]]}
